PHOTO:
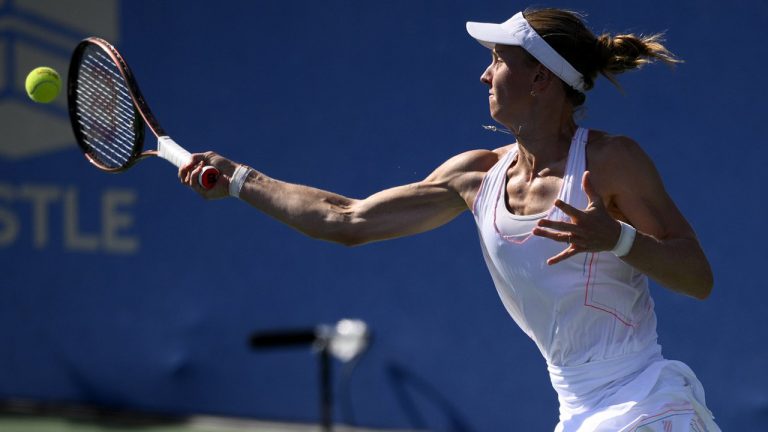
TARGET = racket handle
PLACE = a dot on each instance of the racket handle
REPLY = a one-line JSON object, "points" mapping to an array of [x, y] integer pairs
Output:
{"points": [[208, 177], [175, 154]]}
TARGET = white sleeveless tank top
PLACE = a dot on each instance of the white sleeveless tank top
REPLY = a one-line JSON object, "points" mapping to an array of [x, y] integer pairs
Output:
{"points": [[592, 306], [591, 316]]}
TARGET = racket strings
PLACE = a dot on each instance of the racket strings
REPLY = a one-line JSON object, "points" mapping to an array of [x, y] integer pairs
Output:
{"points": [[98, 90], [103, 135], [105, 110], [109, 114], [97, 126]]}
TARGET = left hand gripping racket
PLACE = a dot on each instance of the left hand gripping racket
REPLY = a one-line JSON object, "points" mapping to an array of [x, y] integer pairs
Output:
{"points": [[108, 113]]}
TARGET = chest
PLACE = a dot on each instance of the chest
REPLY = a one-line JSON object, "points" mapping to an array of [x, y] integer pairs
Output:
{"points": [[527, 193]]}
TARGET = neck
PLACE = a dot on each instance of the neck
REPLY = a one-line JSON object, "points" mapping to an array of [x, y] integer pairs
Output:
{"points": [[543, 141]]}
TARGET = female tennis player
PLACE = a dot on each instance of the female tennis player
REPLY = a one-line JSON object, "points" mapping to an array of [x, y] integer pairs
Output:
{"points": [[572, 222]]}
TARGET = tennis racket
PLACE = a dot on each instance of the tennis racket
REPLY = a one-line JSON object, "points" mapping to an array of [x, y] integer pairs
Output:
{"points": [[109, 114]]}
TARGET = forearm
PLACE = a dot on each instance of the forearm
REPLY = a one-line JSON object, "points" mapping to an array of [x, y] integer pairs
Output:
{"points": [[314, 212], [676, 263]]}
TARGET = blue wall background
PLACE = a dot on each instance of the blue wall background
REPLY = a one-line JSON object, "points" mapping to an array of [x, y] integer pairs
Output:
{"points": [[356, 96]]}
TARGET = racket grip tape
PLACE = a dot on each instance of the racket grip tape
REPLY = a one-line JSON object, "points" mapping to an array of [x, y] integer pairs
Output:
{"points": [[169, 150]]}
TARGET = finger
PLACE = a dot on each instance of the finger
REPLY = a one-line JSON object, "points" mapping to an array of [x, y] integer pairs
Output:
{"points": [[207, 156], [589, 189], [559, 225], [194, 159], [188, 174], [564, 255], [184, 171], [568, 209], [194, 175], [552, 235]]}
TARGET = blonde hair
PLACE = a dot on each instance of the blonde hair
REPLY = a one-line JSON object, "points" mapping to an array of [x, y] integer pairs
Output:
{"points": [[608, 55]]}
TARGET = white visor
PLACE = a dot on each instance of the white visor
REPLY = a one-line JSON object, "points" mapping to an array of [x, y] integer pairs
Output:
{"points": [[517, 31]]}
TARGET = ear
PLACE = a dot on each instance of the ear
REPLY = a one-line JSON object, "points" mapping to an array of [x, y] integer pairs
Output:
{"points": [[542, 78]]}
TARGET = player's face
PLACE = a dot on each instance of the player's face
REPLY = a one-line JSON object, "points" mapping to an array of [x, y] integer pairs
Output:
{"points": [[510, 77]]}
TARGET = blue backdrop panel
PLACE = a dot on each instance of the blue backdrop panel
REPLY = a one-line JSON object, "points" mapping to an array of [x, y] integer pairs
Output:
{"points": [[130, 291]]}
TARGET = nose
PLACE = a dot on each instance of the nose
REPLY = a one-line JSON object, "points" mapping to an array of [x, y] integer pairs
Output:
{"points": [[486, 77]]}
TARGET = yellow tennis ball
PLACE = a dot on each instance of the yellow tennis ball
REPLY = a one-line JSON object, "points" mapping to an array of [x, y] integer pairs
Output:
{"points": [[43, 84]]}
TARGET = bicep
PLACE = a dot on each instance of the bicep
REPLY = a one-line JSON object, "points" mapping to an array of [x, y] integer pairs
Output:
{"points": [[403, 210], [424, 205]]}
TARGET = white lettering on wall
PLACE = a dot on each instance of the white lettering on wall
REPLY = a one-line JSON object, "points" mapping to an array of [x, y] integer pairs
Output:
{"points": [[9, 223], [112, 232], [116, 220]]}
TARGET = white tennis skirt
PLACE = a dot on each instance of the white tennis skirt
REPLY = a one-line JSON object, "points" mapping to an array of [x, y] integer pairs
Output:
{"points": [[642, 392]]}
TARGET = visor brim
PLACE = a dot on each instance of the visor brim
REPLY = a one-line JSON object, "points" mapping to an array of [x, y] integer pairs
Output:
{"points": [[490, 34]]}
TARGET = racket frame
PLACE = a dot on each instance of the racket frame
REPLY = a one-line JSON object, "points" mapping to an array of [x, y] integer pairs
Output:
{"points": [[140, 106]]}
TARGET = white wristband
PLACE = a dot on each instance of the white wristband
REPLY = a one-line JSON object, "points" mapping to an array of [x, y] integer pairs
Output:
{"points": [[626, 240], [237, 180]]}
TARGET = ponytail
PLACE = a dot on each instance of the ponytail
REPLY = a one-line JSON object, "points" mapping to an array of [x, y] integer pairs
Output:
{"points": [[620, 53], [607, 55]]}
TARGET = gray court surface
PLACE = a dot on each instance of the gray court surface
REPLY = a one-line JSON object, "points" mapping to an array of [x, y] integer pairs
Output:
{"points": [[24, 416]]}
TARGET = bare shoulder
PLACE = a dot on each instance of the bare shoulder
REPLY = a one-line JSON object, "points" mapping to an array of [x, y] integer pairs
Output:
{"points": [[618, 161], [476, 160], [464, 172], [627, 180], [605, 148]]}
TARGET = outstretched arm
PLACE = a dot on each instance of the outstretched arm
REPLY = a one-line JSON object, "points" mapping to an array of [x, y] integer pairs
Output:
{"points": [[395, 212]]}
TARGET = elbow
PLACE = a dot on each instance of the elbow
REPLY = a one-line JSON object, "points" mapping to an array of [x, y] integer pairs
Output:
{"points": [[354, 233], [696, 284], [338, 237], [703, 285], [701, 292], [701, 280], [349, 228], [705, 289], [342, 232], [343, 225], [349, 240]]}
